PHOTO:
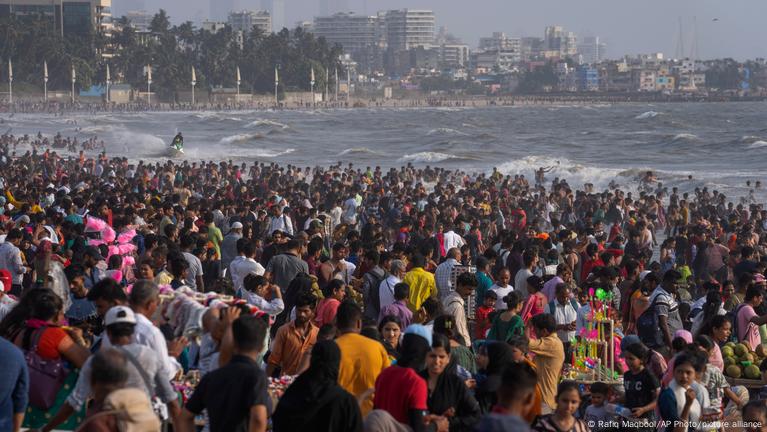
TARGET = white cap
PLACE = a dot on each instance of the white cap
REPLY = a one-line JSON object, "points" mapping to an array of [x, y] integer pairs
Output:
{"points": [[236, 225], [120, 314], [306, 204]]}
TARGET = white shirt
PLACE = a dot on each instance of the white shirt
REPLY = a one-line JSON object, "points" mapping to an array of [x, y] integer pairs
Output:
{"points": [[148, 335], [520, 281], [282, 223], [350, 211], [501, 292], [453, 305], [241, 267], [452, 240], [273, 307], [386, 290], [442, 277], [564, 314]]}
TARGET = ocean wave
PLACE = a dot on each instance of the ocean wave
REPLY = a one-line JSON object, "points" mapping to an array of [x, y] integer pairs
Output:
{"points": [[358, 151], [757, 144], [240, 138], [427, 157], [684, 137], [486, 136], [445, 131], [267, 153], [136, 143], [265, 122], [647, 115], [100, 129], [748, 139]]}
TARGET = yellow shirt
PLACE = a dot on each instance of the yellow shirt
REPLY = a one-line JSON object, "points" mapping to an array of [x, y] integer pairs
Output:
{"points": [[422, 286], [549, 359], [362, 359]]}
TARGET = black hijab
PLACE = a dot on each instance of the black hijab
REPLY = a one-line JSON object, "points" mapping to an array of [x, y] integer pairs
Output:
{"points": [[312, 393], [499, 355]]}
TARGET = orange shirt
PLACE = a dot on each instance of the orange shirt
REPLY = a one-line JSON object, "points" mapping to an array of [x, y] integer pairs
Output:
{"points": [[289, 346]]}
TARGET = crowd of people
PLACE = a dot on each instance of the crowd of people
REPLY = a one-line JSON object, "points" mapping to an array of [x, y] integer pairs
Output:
{"points": [[348, 299]]}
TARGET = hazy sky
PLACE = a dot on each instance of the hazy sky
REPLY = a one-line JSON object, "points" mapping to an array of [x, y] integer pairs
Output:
{"points": [[627, 26]]}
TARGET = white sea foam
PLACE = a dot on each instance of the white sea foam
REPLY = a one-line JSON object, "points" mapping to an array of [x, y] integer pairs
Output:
{"points": [[445, 131], [426, 157], [265, 122], [684, 137], [358, 151], [647, 115], [757, 144], [240, 138]]}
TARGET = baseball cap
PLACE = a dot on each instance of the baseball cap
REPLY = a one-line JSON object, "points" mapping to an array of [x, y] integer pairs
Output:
{"points": [[306, 204], [237, 225], [120, 314], [93, 252]]}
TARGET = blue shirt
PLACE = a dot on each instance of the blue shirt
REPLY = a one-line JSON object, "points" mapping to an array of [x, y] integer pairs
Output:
{"points": [[14, 384]]}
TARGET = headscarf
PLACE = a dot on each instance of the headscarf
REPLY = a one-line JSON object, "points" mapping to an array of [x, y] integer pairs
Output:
{"points": [[312, 390]]}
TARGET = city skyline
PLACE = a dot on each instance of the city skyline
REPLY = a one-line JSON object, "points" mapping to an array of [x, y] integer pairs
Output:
{"points": [[628, 28]]}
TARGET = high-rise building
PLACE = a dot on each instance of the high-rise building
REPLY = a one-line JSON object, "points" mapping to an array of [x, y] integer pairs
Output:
{"points": [[499, 41], [276, 9], [219, 9], [592, 50], [244, 21], [558, 42], [409, 28], [453, 55], [357, 34], [67, 16]]}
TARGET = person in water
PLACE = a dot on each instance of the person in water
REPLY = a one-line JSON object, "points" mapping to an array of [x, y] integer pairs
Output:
{"points": [[178, 142]]}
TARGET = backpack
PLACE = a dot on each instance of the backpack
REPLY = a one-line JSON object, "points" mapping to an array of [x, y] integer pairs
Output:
{"points": [[46, 376], [648, 327], [732, 316]]}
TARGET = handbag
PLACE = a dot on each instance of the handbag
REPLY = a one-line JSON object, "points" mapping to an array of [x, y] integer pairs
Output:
{"points": [[158, 406], [46, 376]]}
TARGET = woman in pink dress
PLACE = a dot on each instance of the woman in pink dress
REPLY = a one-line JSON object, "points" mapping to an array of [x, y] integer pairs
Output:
{"points": [[535, 304]]}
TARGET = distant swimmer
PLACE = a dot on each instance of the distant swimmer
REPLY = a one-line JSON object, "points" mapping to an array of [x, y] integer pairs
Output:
{"points": [[540, 174]]}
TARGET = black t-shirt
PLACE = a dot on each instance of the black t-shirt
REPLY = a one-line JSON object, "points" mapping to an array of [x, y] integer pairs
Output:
{"points": [[228, 394], [640, 388]]}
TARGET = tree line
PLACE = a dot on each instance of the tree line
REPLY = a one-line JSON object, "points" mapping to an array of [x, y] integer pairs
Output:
{"points": [[171, 50]]}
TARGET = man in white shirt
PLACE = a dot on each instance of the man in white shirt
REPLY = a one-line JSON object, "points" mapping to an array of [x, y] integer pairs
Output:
{"points": [[443, 272], [530, 259], [565, 312], [10, 259], [501, 288], [454, 304], [386, 288], [280, 221], [452, 240], [152, 378], [144, 299], [350, 210], [244, 264]]}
